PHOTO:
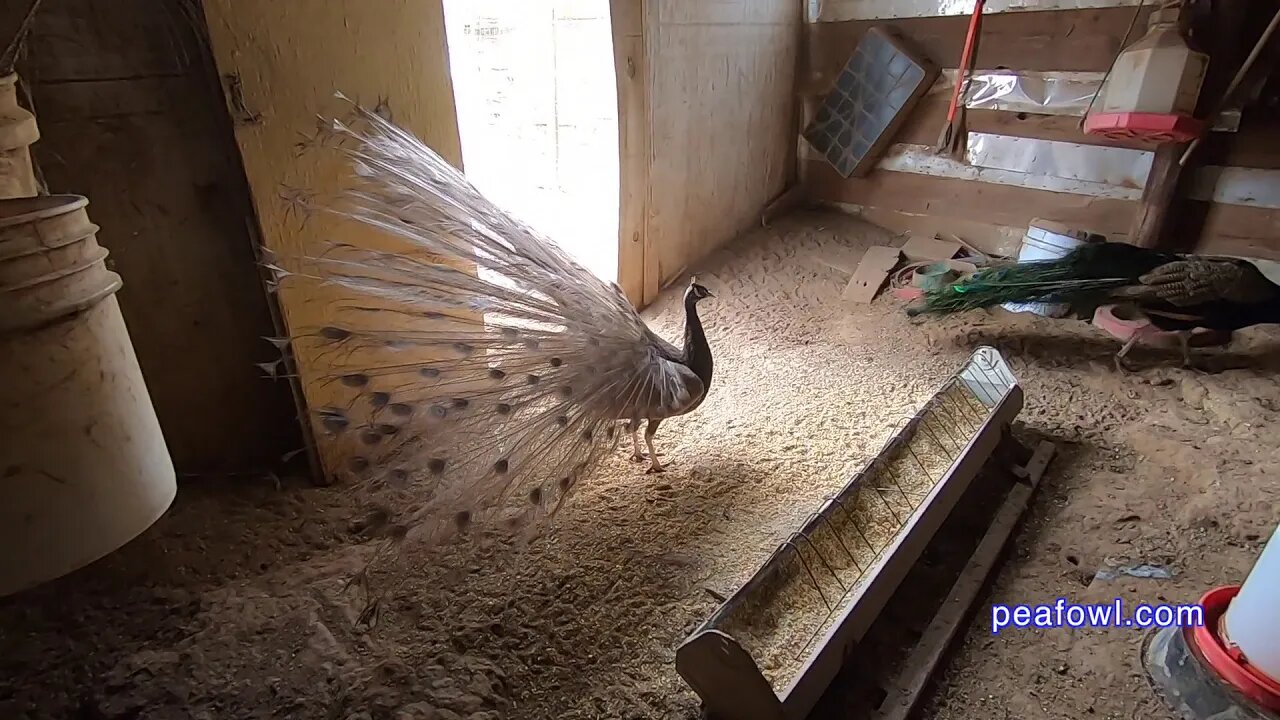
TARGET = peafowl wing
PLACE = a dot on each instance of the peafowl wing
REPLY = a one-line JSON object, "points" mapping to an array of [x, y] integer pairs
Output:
{"points": [[1200, 280]]}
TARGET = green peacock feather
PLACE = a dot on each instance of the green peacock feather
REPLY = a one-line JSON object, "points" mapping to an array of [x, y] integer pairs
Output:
{"points": [[1085, 275]]}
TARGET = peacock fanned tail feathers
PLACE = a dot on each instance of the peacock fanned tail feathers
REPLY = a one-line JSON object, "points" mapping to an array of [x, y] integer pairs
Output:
{"points": [[473, 373]]}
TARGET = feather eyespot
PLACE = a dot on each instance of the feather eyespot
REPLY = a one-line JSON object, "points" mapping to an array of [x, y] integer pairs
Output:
{"points": [[535, 496], [462, 519], [501, 467], [438, 412], [401, 410], [355, 380], [503, 409], [532, 379], [380, 399], [429, 372], [556, 362], [334, 423], [436, 465], [370, 437], [460, 403], [562, 420], [496, 374], [335, 333], [566, 391], [358, 464]]}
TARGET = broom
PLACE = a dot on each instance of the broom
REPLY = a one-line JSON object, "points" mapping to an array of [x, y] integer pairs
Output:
{"points": [[951, 139]]}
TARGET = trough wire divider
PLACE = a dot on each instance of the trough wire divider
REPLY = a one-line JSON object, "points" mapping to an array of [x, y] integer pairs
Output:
{"points": [[953, 411]]}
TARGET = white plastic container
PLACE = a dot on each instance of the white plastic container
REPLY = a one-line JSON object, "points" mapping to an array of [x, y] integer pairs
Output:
{"points": [[1252, 621], [1045, 240], [1158, 74], [85, 467], [18, 132]]}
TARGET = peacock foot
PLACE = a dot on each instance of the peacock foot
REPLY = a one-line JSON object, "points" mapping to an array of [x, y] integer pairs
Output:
{"points": [[655, 469], [1122, 365], [638, 458]]}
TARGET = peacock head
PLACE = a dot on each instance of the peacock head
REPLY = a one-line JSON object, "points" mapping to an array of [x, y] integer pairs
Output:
{"points": [[696, 292]]}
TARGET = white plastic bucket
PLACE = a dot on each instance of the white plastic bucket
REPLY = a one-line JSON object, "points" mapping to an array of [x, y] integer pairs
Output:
{"points": [[1251, 621], [1046, 241], [85, 468]]}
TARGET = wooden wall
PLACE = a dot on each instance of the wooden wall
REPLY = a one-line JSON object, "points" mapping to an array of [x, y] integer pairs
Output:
{"points": [[708, 132], [992, 209], [130, 117]]}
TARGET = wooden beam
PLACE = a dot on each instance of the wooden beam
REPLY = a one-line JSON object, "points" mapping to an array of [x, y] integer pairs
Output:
{"points": [[1004, 205], [1152, 217], [1228, 32], [1061, 40]]}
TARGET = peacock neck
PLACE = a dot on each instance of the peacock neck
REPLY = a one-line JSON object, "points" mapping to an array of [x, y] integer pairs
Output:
{"points": [[697, 352]]}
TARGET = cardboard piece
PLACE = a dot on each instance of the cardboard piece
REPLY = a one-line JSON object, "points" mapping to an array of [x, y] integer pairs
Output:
{"points": [[923, 248], [873, 270]]}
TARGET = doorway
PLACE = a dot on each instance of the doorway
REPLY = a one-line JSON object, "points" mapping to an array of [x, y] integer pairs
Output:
{"points": [[535, 88]]}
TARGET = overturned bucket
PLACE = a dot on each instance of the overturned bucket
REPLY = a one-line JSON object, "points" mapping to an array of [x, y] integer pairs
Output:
{"points": [[87, 468]]}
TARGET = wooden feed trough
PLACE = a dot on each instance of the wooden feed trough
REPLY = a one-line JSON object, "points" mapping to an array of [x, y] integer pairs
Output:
{"points": [[772, 648]]}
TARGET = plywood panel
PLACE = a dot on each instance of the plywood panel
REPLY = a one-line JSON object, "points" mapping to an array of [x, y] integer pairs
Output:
{"points": [[722, 123], [289, 58], [131, 118]]}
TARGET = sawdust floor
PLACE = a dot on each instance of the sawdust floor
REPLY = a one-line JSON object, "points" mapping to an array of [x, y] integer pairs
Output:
{"points": [[230, 607]]}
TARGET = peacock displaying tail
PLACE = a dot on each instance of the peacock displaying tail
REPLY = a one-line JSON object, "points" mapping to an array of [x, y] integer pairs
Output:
{"points": [[482, 372]]}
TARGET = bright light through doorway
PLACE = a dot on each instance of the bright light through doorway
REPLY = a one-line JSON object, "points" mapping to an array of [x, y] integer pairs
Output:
{"points": [[537, 106]]}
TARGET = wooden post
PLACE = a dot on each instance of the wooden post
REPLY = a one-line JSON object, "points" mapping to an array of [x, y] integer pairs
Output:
{"points": [[1157, 197], [1162, 186], [1220, 31]]}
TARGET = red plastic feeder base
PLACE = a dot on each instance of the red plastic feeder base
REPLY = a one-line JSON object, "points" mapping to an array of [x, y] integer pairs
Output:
{"points": [[1226, 662], [1157, 127]]}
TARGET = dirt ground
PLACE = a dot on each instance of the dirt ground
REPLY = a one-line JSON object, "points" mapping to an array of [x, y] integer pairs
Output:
{"points": [[231, 606]]}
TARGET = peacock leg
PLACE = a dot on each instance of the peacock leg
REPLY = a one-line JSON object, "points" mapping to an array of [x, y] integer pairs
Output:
{"points": [[633, 427], [1184, 340], [1120, 364], [650, 430]]}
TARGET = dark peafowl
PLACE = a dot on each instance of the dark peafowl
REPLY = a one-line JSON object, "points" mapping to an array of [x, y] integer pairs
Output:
{"points": [[1177, 292]]}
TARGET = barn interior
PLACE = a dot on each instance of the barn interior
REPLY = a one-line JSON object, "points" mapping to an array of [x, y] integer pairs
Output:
{"points": [[820, 166]]}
